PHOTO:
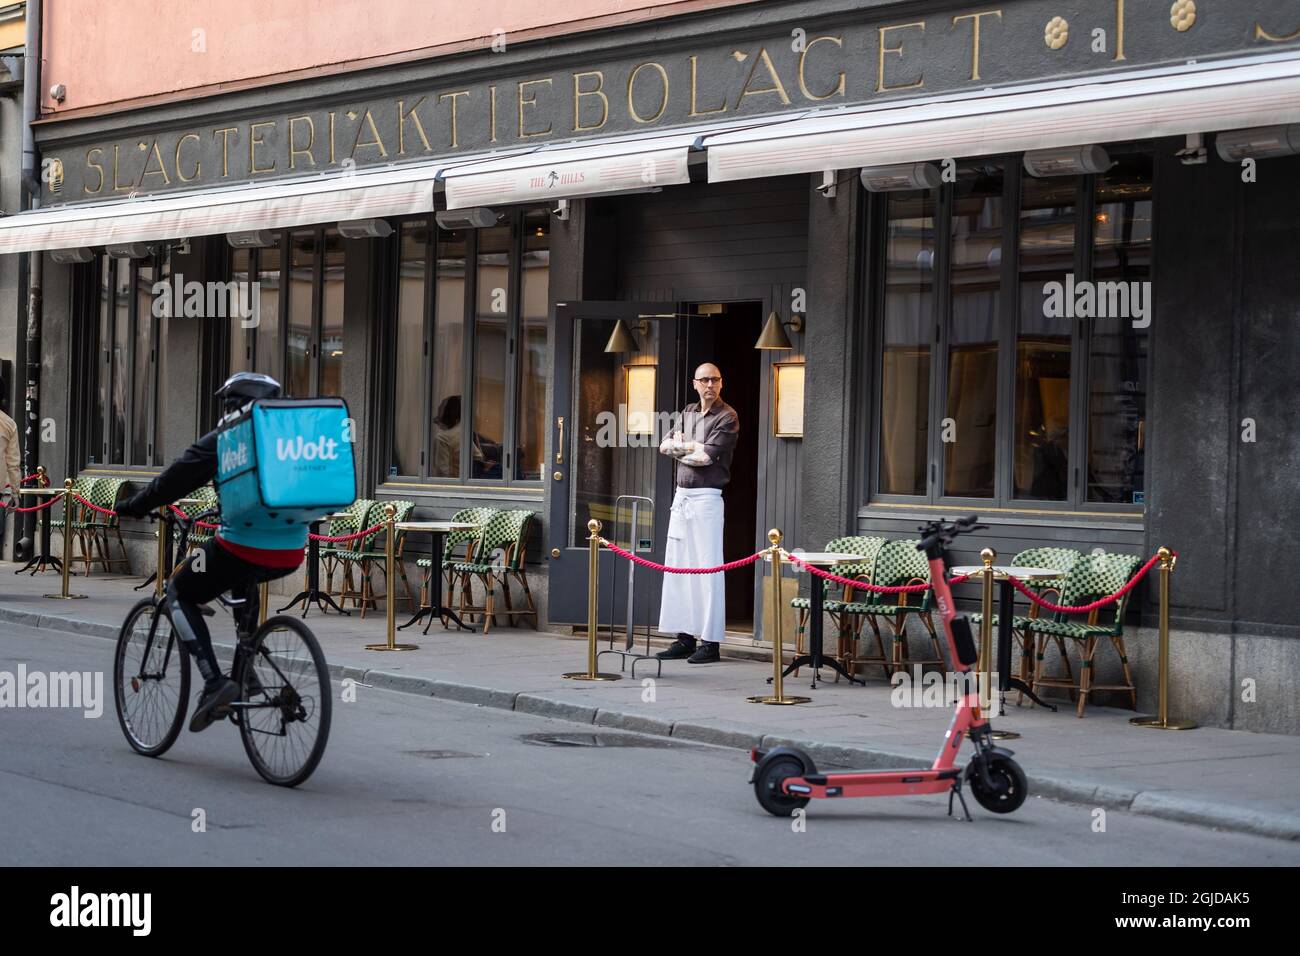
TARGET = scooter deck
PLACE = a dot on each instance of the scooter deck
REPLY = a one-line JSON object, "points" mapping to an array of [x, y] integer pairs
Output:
{"points": [[871, 783]]}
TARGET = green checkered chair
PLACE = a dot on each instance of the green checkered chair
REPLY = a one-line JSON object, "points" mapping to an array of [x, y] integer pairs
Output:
{"points": [[370, 554], [868, 548], [331, 554], [205, 500], [1063, 558], [451, 543], [897, 563], [1093, 576], [99, 527], [499, 557]]}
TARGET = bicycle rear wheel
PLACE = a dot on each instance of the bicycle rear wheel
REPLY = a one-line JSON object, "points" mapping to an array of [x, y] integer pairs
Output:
{"points": [[285, 706], [151, 679]]}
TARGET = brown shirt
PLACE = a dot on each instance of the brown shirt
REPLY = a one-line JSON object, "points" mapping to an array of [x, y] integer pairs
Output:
{"points": [[717, 431]]}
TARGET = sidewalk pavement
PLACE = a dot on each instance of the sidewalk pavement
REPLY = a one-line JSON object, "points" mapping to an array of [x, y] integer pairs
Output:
{"points": [[1230, 780]]}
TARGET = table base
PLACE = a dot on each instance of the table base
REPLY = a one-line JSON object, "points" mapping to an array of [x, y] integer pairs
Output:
{"points": [[43, 562], [310, 597], [806, 660]]}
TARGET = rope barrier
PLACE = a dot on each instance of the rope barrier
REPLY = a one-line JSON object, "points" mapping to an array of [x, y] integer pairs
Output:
{"points": [[865, 586], [45, 479], [729, 566], [198, 524], [333, 539], [49, 504], [94, 507], [1085, 608]]}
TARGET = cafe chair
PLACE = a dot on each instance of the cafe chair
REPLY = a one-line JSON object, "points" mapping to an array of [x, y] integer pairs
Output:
{"points": [[898, 563], [372, 554], [331, 552], [77, 514], [464, 542], [100, 528], [1093, 576], [498, 558], [846, 625]]}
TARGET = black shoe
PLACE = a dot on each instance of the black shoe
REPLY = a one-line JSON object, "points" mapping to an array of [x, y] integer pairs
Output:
{"points": [[684, 646], [707, 654], [214, 703]]}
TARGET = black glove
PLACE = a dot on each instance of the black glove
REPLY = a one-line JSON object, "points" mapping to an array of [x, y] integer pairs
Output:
{"points": [[133, 507]]}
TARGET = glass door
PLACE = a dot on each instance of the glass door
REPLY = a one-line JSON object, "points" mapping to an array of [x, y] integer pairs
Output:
{"points": [[613, 396]]}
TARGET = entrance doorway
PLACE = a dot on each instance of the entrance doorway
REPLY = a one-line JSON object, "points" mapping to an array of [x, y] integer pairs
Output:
{"points": [[724, 334]]}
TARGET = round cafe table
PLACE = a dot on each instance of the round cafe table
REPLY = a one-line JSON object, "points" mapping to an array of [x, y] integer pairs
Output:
{"points": [[1002, 573], [433, 606], [313, 594], [44, 560]]}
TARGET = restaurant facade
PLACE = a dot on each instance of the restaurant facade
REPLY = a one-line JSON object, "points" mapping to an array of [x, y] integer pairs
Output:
{"points": [[1032, 260]]}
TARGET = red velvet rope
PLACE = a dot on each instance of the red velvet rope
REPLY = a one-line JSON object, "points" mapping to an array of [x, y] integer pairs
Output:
{"points": [[1085, 608], [49, 504], [345, 537], [93, 507], [45, 479], [197, 524], [729, 566], [878, 589]]}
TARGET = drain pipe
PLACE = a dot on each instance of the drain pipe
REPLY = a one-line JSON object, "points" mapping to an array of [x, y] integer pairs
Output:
{"points": [[32, 195]]}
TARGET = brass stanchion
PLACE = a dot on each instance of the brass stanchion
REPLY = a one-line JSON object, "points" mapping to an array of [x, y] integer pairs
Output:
{"points": [[1161, 721], [778, 647], [263, 602], [987, 556], [63, 595], [593, 571], [390, 511]]}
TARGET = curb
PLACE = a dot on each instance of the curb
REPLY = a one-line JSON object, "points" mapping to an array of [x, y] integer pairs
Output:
{"points": [[1154, 803]]}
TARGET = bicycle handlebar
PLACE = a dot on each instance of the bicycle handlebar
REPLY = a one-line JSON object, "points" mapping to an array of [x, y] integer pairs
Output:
{"points": [[937, 534]]}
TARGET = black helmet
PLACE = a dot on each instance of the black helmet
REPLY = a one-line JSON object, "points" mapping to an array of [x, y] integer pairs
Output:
{"points": [[244, 387]]}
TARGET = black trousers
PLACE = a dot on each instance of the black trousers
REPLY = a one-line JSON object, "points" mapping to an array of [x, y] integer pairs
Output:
{"points": [[200, 581]]}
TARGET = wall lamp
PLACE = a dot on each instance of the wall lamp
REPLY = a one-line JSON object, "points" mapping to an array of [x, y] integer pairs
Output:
{"points": [[774, 336], [623, 340]]}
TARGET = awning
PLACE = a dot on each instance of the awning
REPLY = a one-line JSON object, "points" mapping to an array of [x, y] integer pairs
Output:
{"points": [[336, 198], [1204, 98], [628, 163]]}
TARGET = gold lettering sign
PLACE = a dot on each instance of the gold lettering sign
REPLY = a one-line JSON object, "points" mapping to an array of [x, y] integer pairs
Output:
{"points": [[579, 93], [404, 114], [150, 157], [1262, 34], [881, 87], [91, 164], [803, 83], [455, 141], [663, 102], [695, 110], [776, 86], [255, 140], [530, 100], [224, 133], [976, 19], [294, 149], [375, 139], [198, 164]]}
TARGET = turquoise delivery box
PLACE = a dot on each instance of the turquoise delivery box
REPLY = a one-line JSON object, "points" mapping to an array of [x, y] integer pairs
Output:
{"points": [[285, 462]]}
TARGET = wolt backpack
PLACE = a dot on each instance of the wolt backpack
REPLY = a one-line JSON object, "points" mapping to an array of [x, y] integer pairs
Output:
{"points": [[283, 463]]}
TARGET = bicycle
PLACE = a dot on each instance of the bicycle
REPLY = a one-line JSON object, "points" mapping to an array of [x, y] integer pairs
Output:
{"points": [[283, 710]]}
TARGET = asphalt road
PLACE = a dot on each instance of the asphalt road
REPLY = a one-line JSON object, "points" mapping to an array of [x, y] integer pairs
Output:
{"points": [[415, 781]]}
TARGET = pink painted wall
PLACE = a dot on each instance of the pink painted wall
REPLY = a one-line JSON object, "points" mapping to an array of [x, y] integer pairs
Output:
{"points": [[110, 53]]}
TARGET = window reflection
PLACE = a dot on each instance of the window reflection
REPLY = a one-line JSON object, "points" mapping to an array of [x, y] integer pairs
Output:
{"points": [[408, 365], [448, 353], [491, 314]]}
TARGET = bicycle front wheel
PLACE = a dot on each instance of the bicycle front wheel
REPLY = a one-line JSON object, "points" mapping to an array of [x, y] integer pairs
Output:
{"points": [[151, 679], [285, 706]]}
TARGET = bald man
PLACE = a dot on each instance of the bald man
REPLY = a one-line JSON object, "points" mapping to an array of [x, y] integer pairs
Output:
{"points": [[694, 605]]}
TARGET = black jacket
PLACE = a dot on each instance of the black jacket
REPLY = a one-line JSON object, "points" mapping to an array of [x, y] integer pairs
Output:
{"points": [[193, 469]]}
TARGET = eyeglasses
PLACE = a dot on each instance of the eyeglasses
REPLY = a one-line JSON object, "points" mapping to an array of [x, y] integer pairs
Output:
{"points": [[709, 381]]}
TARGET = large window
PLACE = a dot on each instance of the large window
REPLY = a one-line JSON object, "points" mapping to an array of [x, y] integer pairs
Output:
{"points": [[126, 361], [468, 350], [1012, 323], [295, 329]]}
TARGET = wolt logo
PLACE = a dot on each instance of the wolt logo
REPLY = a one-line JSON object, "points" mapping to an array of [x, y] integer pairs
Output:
{"points": [[235, 457], [323, 449]]}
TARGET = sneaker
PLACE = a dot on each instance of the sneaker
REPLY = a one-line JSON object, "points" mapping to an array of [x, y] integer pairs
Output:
{"points": [[707, 654], [214, 703], [684, 646]]}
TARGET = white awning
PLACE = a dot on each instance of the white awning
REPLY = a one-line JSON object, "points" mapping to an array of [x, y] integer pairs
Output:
{"points": [[336, 198], [1204, 98], [630, 163]]}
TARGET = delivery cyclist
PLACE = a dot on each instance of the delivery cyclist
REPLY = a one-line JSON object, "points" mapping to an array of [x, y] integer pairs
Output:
{"points": [[235, 559]]}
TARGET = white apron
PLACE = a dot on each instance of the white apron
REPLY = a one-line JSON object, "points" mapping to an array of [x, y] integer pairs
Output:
{"points": [[694, 604]]}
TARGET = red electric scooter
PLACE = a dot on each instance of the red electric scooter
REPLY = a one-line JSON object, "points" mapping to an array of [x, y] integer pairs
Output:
{"points": [[785, 778]]}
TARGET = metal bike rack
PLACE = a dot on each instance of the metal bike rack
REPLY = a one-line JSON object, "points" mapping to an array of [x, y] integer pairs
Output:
{"points": [[633, 535]]}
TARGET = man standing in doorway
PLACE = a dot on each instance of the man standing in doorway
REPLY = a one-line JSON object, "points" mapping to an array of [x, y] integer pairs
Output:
{"points": [[694, 605]]}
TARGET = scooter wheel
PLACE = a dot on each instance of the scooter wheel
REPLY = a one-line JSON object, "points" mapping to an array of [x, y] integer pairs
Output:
{"points": [[767, 785], [1009, 785]]}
